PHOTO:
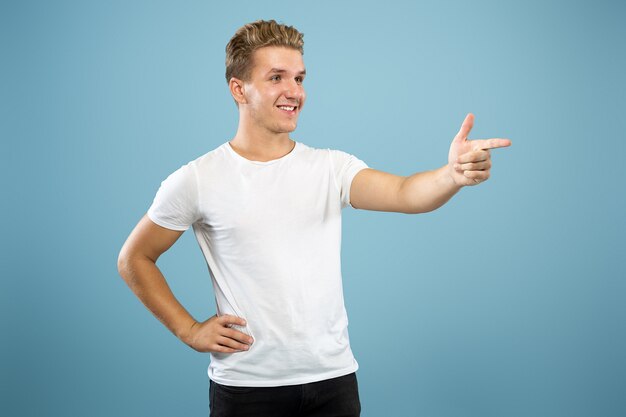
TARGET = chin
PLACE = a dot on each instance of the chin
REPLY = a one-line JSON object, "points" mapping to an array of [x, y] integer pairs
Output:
{"points": [[286, 129]]}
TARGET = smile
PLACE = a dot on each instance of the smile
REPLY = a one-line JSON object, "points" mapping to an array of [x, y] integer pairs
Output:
{"points": [[287, 108]]}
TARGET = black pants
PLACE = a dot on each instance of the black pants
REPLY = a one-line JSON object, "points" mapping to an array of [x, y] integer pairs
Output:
{"points": [[336, 397]]}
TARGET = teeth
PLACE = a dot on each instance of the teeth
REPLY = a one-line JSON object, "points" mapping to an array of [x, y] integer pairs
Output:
{"points": [[286, 108]]}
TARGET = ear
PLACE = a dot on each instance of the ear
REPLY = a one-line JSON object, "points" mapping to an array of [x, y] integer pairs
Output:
{"points": [[236, 88]]}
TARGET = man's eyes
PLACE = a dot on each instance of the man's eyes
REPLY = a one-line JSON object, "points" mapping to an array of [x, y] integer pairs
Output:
{"points": [[277, 77]]}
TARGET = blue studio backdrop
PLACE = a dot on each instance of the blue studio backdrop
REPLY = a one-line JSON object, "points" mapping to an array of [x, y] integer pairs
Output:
{"points": [[507, 301]]}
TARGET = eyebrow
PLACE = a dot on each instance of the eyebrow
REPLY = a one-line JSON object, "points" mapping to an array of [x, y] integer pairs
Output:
{"points": [[282, 71]]}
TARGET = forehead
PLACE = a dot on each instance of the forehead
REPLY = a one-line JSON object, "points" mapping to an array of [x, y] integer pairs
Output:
{"points": [[276, 57]]}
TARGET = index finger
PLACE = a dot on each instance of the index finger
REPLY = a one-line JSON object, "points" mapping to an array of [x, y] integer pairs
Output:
{"points": [[490, 143]]}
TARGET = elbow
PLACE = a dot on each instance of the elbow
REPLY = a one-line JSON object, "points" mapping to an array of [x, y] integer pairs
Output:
{"points": [[122, 264], [125, 264], [127, 269], [130, 265]]}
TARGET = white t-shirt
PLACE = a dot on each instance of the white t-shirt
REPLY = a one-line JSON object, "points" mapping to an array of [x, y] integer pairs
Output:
{"points": [[271, 236]]}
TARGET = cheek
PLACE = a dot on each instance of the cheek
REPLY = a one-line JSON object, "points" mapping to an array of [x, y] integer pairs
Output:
{"points": [[268, 97]]}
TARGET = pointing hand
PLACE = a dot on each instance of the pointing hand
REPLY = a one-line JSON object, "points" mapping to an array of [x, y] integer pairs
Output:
{"points": [[469, 161]]}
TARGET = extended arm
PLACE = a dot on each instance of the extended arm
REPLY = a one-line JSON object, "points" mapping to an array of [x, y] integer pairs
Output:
{"points": [[469, 163], [137, 266], [419, 193]]}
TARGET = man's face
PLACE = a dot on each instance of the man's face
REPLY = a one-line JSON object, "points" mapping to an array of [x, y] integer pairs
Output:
{"points": [[274, 94]]}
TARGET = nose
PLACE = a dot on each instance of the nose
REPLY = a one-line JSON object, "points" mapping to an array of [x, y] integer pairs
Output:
{"points": [[294, 90]]}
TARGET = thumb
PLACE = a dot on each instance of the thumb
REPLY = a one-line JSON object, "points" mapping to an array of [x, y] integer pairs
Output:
{"points": [[465, 129]]}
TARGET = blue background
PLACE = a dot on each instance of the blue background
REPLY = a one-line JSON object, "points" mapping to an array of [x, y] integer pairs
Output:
{"points": [[508, 301]]}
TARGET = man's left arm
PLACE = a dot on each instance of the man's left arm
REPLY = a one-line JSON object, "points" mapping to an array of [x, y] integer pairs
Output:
{"points": [[469, 163]]}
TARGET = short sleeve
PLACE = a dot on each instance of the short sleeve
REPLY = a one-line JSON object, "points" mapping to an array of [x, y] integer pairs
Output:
{"points": [[175, 205], [345, 167]]}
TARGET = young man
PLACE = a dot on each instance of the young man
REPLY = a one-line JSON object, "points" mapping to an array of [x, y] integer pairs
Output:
{"points": [[266, 211]]}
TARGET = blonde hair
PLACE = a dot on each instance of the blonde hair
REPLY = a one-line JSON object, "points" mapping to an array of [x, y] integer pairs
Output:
{"points": [[257, 35]]}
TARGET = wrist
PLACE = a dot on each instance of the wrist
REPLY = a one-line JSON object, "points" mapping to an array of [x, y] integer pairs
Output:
{"points": [[449, 178], [185, 335]]}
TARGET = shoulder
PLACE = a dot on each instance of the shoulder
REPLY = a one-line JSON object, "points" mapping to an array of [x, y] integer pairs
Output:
{"points": [[313, 152], [312, 157], [196, 169], [337, 158], [216, 159], [210, 157]]}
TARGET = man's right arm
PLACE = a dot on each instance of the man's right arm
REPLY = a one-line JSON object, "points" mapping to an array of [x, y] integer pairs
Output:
{"points": [[137, 266]]}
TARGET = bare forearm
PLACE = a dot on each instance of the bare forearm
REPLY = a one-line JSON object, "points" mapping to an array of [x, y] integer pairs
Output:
{"points": [[148, 283], [426, 191]]}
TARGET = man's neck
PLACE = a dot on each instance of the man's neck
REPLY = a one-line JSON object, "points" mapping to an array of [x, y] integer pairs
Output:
{"points": [[261, 146]]}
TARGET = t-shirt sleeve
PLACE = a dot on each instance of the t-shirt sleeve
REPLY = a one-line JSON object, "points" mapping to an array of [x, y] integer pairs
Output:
{"points": [[175, 205], [345, 167]]}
